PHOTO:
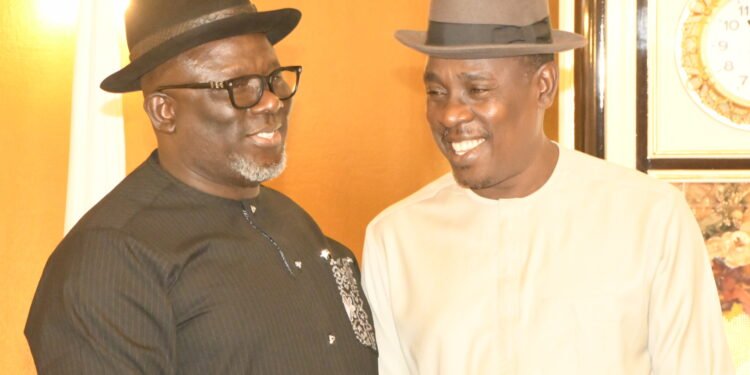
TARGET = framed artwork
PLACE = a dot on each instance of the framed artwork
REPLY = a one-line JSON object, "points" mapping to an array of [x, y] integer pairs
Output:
{"points": [[720, 201], [693, 84]]}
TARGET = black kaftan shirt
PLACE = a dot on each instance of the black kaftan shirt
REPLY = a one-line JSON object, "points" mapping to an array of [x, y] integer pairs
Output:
{"points": [[159, 278]]}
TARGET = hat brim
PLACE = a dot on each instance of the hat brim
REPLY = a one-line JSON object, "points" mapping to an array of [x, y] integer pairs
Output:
{"points": [[276, 24], [561, 41]]}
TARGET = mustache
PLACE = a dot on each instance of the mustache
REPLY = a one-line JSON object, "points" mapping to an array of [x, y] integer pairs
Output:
{"points": [[268, 123], [464, 131]]}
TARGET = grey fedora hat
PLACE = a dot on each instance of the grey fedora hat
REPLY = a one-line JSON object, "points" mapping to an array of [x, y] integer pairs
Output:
{"points": [[158, 30], [475, 29]]}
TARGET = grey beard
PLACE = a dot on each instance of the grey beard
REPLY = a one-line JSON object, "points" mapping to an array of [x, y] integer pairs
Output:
{"points": [[253, 172]]}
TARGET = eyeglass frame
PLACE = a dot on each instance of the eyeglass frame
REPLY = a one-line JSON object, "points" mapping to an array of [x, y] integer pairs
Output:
{"points": [[228, 85]]}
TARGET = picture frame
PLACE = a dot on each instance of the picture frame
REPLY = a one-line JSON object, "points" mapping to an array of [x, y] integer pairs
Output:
{"points": [[673, 131], [720, 200]]}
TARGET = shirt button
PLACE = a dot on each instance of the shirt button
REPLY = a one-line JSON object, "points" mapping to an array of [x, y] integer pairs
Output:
{"points": [[331, 339], [298, 264], [253, 208]]}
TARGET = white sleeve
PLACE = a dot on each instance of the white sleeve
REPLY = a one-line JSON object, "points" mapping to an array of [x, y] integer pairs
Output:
{"points": [[686, 330], [376, 285]]}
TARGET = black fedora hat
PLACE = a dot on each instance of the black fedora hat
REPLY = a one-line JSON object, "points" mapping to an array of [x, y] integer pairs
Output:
{"points": [[158, 30]]}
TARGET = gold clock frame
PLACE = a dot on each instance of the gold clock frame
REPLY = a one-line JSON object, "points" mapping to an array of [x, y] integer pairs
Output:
{"points": [[696, 76]]}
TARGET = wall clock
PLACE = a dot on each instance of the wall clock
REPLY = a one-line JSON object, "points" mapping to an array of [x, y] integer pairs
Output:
{"points": [[713, 58]]}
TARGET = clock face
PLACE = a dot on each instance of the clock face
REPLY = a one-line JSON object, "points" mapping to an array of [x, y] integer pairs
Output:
{"points": [[726, 38], [714, 58]]}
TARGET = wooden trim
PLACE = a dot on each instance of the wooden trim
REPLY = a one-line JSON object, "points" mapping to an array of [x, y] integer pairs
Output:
{"points": [[589, 78], [696, 164], [641, 125]]}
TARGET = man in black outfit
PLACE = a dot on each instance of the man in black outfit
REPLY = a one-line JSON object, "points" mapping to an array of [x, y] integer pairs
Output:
{"points": [[190, 266]]}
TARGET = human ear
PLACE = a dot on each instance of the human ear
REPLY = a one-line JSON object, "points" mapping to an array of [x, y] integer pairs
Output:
{"points": [[547, 78], [161, 111]]}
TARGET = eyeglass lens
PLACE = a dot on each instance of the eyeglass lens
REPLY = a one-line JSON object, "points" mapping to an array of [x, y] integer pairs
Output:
{"points": [[247, 91]]}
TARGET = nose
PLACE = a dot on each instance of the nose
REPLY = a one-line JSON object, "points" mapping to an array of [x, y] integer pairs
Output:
{"points": [[269, 103], [455, 112]]}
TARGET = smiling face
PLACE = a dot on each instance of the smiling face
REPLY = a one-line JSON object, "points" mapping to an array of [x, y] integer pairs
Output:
{"points": [[203, 140], [486, 116]]}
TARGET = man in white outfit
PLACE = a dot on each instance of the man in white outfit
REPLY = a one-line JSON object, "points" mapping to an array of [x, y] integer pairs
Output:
{"points": [[531, 258]]}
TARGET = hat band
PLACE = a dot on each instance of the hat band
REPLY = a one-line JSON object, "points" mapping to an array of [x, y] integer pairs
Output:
{"points": [[147, 44], [453, 34]]}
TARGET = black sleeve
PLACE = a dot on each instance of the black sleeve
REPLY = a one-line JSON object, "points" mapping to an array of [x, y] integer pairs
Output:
{"points": [[102, 307]]}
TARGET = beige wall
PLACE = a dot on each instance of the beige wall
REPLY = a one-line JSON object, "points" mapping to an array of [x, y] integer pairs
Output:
{"points": [[358, 139]]}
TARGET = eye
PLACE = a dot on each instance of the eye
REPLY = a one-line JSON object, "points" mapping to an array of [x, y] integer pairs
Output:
{"points": [[435, 92], [479, 91]]}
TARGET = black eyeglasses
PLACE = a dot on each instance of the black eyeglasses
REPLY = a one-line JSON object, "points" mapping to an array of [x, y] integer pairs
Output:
{"points": [[246, 91]]}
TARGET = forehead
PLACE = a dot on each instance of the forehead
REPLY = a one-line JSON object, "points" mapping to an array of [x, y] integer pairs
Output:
{"points": [[241, 54], [496, 68]]}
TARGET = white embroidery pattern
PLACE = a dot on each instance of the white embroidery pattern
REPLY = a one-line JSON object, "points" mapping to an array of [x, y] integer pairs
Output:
{"points": [[344, 274]]}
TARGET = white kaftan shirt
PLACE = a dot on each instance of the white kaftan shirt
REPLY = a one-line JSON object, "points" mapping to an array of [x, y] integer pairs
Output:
{"points": [[603, 270]]}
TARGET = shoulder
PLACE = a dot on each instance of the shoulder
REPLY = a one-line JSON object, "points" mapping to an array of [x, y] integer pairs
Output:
{"points": [[599, 178], [137, 192], [424, 195], [99, 254], [96, 265]]}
